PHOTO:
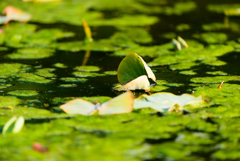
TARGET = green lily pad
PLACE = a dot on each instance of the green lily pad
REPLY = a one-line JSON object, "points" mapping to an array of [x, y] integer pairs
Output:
{"points": [[158, 88], [10, 70], [184, 65], [217, 73], [24, 93], [214, 62], [15, 33], [132, 67], [183, 27], [67, 85], [84, 74], [152, 51], [6, 101], [72, 79], [227, 9], [59, 65], [215, 79], [46, 72], [32, 78], [192, 54], [212, 37], [87, 68], [188, 72], [110, 72], [2, 86], [31, 53], [126, 37]]}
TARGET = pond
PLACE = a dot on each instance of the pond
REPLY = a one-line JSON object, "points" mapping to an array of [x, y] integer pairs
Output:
{"points": [[49, 60]]}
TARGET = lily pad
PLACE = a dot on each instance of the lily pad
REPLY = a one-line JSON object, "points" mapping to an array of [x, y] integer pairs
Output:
{"points": [[165, 101], [212, 37], [46, 72], [188, 72], [110, 72], [32, 78], [6, 101], [24, 93], [72, 79], [59, 65], [133, 66], [217, 73], [85, 74], [31, 53], [67, 85], [120, 104], [87, 68], [140, 83], [10, 70]]}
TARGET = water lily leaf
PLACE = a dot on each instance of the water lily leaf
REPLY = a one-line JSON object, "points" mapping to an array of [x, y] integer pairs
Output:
{"points": [[164, 101], [133, 66], [14, 125], [79, 106], [140, 83], [15, 14], [120, 104]]}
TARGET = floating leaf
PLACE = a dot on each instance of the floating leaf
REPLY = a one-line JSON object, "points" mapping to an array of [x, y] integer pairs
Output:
{"points": [[133, 66], [164, 101], [79, 106], [120, 104], [15, 14], [140, 83], [87, 68], [14, 125], [23, 93], [133, 73]]}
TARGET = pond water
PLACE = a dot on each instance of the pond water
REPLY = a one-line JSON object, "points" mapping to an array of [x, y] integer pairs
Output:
{"points": [[41, 67]]}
